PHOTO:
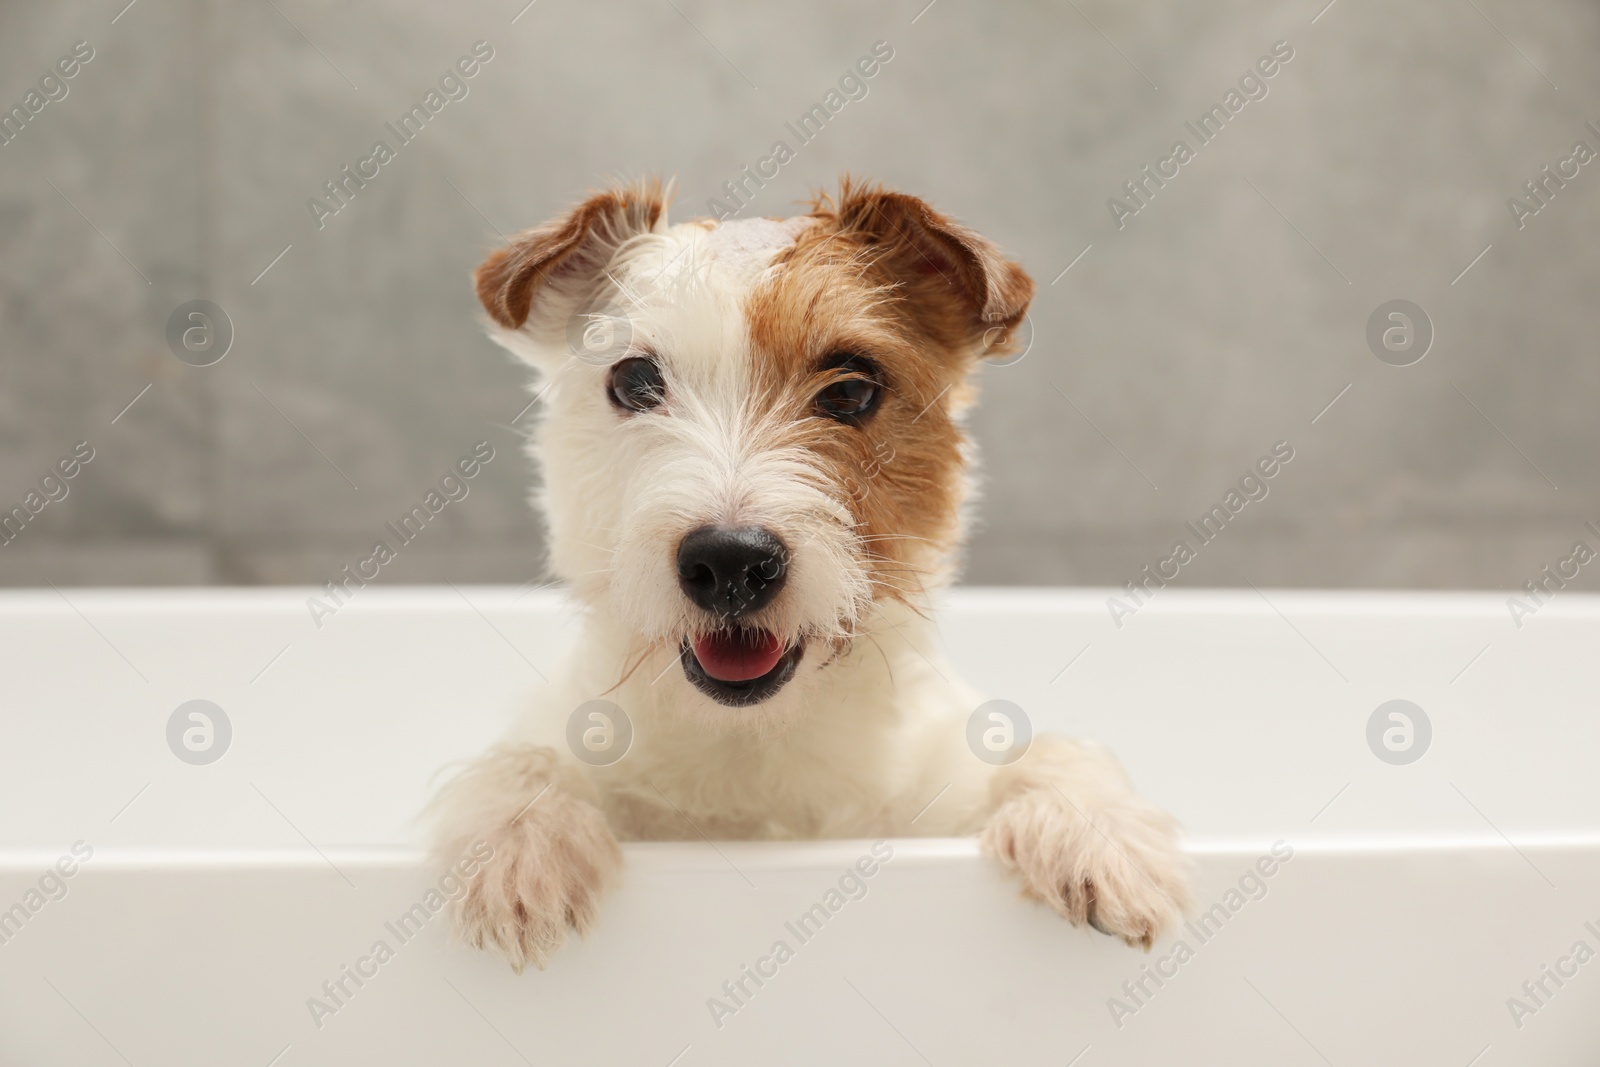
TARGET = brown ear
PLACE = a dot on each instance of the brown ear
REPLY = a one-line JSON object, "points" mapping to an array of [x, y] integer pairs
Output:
{"points": [[957, 283], [564, 257]]}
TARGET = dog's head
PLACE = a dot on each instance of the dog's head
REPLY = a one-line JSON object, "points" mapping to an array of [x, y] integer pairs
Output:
{"points": [[752, 428]]}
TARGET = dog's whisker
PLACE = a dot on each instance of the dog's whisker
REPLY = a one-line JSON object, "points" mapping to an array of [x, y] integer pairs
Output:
{"points": [[895, 537], [638, 662], [597, 570]]}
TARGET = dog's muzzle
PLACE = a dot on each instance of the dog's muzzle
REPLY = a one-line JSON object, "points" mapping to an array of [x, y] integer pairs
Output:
{"points": [[733, 572]]}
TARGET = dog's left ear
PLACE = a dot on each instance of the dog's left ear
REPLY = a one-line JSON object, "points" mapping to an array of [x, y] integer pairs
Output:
{"points": [[545, 272], [956, 283]]}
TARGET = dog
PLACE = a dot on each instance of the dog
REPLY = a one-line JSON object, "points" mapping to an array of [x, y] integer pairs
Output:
{"points": [[754, 478]]}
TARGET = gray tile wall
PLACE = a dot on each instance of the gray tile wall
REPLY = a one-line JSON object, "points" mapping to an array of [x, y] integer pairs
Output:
{"points": [[1221, 318]]}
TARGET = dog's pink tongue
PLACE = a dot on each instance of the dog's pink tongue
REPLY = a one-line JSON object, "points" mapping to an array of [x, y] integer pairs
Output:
{"points": [[738, 655]]}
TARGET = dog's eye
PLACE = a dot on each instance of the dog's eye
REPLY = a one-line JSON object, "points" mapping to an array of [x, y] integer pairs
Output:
{"points": [[854, 395], [636, 384]]}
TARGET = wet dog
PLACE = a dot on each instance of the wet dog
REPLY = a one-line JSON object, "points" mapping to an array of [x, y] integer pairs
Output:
{"points": [[754, 478]]}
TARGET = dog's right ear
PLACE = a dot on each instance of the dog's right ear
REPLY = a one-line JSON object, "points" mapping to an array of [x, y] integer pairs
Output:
{"points": [[545, 272]]}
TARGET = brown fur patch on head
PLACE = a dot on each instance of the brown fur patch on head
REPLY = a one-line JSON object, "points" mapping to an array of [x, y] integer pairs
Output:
{"points": [[883, 276], [564, 257], [955, 284]]}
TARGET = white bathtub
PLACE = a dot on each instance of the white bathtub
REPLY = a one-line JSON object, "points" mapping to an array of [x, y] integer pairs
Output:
{"points": [[219, 898]]}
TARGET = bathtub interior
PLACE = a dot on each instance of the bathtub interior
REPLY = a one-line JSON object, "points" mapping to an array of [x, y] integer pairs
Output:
{"points": [[1244, 717], [221, 897]]}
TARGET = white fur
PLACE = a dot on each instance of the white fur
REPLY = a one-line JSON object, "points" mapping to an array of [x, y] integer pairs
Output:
{"points": [[859, 743]]}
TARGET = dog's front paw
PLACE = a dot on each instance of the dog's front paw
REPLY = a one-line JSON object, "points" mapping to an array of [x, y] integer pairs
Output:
{"points": [[547, 873], [1121, 871]]}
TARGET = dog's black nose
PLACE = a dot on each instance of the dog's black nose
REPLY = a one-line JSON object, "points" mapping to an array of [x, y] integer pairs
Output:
{"points": [[732, 571]]}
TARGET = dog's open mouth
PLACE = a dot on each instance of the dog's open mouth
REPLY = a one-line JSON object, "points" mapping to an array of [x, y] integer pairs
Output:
{"points": [[739, 667]]}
